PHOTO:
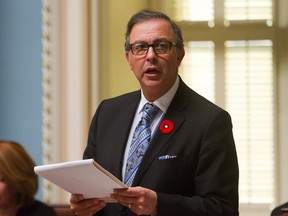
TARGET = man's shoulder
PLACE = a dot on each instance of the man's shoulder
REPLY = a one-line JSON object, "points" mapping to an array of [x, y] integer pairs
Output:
{"points": [[126, 98], [193, 98]]}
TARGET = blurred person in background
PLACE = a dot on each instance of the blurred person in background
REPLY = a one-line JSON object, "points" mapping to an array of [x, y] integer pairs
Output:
{"points": [[19, 183]]}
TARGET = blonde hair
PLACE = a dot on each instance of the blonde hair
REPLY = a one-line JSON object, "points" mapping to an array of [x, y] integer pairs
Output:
{"points": [[17, 170]]}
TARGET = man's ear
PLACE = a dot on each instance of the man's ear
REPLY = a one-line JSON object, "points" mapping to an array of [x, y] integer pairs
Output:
{"points": [[128, 60], [127, 57], [180, 55]]}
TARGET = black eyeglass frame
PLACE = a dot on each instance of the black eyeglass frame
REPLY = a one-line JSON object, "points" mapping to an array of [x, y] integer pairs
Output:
{"points": [[157, 51]]}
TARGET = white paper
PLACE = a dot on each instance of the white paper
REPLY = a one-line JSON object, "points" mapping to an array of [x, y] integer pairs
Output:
{"points": [[81, 177]]}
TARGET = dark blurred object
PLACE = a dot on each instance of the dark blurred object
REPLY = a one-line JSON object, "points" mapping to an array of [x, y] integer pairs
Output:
{"points": [[284, 212], [62, 209], [281, 210]]}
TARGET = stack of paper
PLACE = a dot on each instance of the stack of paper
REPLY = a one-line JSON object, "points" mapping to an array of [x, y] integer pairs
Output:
{"points": [[85, 177]]}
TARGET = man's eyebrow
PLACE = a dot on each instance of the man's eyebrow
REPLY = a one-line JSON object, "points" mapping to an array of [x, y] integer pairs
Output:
{"points": [[160, 40], [139, 41], [154, 41]]}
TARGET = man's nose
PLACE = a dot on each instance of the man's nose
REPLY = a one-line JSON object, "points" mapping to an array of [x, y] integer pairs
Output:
{"points": [[151, 54]]}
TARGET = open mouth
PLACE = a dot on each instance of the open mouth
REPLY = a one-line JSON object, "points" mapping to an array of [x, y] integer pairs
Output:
{"points": [[151, 71]]}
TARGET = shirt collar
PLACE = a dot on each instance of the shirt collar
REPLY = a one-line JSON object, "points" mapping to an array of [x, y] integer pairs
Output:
{"points": [[164, 101]]}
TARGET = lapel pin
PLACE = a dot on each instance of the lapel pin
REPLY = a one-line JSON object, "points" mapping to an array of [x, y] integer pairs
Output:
{"points": [[166, 126]]}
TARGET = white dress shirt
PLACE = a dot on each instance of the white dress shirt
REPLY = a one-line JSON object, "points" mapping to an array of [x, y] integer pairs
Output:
{"points": [[162, 103]]}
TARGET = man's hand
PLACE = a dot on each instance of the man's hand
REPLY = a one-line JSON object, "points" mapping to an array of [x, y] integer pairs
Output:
{"points": [[141, 201], [85, 207]]}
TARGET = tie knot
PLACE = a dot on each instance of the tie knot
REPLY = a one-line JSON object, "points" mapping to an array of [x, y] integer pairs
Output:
{"points": [[149, 112]]}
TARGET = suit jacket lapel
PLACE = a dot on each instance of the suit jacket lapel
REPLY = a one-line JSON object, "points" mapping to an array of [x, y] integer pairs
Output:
{"points": [[126, 117]]}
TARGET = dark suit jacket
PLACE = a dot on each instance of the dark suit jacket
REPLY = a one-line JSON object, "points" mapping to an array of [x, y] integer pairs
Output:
{"points": [[201, 180]]}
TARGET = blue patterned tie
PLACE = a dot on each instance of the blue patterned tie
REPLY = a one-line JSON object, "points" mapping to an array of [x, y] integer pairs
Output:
{"points": [[140, 141]]}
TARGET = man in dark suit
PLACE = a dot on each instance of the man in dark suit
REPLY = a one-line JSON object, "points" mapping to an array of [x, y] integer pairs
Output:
{"points": [[190, 166]]}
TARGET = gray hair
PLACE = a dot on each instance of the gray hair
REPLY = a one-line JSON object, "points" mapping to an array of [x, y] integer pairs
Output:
{"points": [[148, 14]]}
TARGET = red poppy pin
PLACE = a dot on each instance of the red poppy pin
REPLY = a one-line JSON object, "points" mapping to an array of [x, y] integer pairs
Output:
{"points": [[166, 126]]}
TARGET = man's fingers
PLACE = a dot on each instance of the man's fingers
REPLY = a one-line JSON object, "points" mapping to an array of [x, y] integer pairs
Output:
{"points": [[76, 198]]}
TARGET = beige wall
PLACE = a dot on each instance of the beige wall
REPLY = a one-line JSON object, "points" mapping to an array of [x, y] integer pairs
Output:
{"points": [[115, 75]]}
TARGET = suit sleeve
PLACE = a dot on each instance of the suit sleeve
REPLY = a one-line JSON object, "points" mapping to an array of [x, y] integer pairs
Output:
{"points": [[216, 176], [90, 149]]}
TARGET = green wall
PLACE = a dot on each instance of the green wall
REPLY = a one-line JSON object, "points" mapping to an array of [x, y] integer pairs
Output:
{"points": [[115, 75]]}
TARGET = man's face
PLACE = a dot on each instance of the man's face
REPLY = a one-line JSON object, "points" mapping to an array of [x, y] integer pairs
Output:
{"points": [[156, 73]]}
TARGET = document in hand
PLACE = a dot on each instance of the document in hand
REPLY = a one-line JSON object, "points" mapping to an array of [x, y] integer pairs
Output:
{"points": [[85, 177]]}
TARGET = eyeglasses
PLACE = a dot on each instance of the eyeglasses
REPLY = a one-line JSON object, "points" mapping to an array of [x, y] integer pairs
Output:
{"points": [[159, 47]]}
